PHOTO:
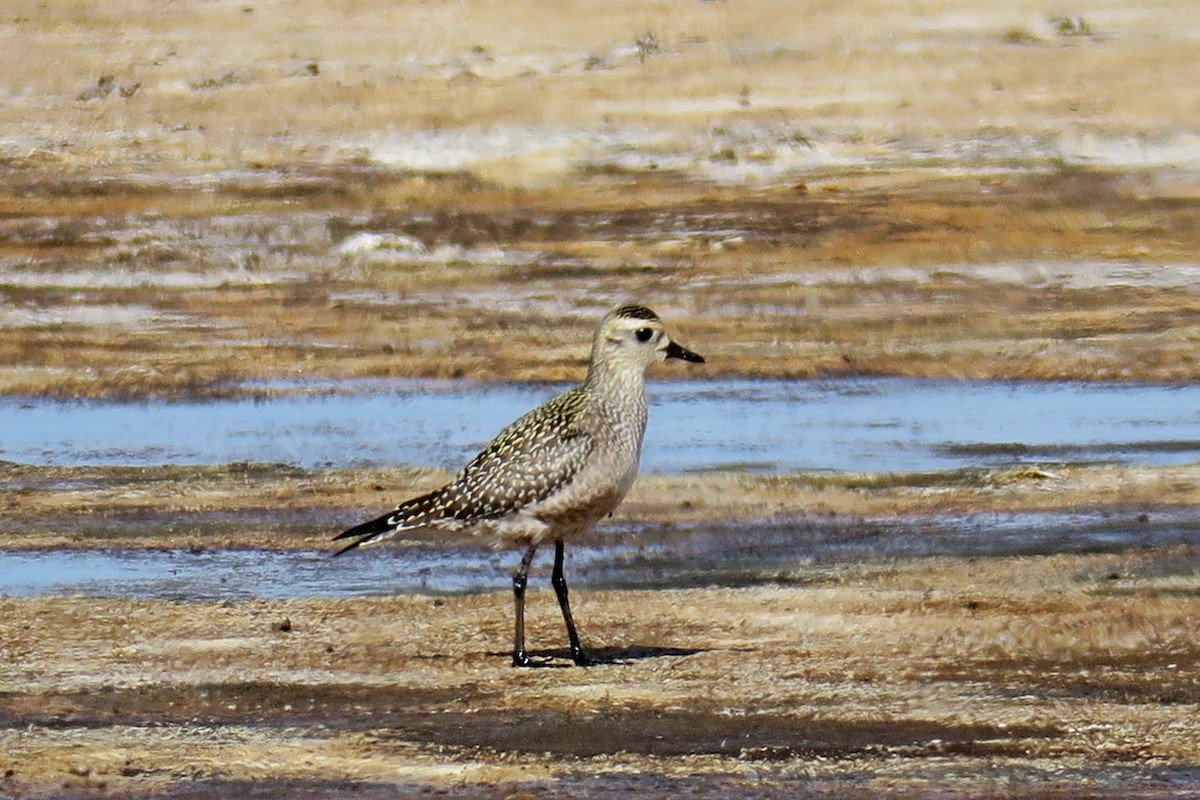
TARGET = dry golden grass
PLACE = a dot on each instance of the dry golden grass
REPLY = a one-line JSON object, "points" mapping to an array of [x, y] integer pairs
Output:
{"points": [[926, 676], [197, 79], [743, 166], [952, 189], [1020, 277], [278, 507]]}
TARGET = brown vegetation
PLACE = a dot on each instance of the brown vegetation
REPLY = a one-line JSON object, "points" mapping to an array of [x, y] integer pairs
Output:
{"points": [[843, 190], [197, 195], [905, 677]]}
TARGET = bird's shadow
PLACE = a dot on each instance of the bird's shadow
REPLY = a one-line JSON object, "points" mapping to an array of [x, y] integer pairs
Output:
{"points": [[606, 656]]}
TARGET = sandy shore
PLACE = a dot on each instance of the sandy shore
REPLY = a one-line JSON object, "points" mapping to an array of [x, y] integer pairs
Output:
{"points": [[259, 192], [197, 197], [909, 678], [906, 675], [271, 507]]}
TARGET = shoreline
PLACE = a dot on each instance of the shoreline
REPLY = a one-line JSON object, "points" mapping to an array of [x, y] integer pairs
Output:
{"points": [[941, 674], [229, 194], [1081, 278], [277, 507]]}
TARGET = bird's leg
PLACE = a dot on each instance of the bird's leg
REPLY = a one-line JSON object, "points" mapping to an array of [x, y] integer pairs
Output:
{"points": [[520, 578], [559, 581]]}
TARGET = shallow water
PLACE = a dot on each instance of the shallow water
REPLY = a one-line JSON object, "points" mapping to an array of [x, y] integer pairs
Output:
{"points": [[858, 425], [673, 556]]}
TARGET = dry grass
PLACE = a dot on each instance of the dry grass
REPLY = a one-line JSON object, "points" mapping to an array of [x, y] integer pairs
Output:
{"points": [[278, 507], [195, 80], [927, 675], [746, 168], [856, 282], [861, 188]]}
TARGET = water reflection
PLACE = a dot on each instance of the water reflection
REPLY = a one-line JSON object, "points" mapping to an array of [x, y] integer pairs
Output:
{"points": [[614, 557]]}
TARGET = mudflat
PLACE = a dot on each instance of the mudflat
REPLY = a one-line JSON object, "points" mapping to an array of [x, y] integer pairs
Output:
{"points": [[196, 199], [908, 677], [205, 201]]}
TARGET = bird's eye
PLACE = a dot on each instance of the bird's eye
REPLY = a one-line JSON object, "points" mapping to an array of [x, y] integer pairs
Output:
{"points": [[644, 334]]}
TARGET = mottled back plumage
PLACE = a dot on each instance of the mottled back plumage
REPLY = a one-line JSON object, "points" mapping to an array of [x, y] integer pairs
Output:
{"points": [[527, 462]]}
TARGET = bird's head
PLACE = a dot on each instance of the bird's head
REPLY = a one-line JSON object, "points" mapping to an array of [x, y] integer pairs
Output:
{"points": [[633, 335]]}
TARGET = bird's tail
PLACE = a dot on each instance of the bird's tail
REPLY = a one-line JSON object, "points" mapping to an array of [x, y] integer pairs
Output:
{"points": [[414, 513]]}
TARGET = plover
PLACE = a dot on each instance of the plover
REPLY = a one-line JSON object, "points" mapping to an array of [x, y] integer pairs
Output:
{"points": [[556, 470]]}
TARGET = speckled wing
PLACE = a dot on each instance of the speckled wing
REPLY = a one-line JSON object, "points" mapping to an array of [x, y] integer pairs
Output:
{"points": [[529, 461]]}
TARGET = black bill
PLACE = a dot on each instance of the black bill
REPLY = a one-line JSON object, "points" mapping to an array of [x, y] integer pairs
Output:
{"points": [[679, 351]]}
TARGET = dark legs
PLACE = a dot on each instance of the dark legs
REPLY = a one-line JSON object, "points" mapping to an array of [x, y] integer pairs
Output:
{"points": [[559, 581], [520, 577]]}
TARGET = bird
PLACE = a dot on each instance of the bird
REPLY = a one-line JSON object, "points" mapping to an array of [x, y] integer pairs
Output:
{"points": [[553, 472]]}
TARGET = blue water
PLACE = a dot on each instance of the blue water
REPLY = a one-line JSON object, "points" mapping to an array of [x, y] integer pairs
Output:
{"points": [[611, 557], [859, 425]]}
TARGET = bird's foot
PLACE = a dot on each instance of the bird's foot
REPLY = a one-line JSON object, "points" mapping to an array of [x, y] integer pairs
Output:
{"points": [[521, 659]]}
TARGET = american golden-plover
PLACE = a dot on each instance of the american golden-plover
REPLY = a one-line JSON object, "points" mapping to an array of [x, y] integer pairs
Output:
{"points": [[554, 471]]}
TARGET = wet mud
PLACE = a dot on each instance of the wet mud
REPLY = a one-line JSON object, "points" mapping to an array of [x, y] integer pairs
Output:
{"points": [[399, 716], [837, 656], [99, 308], [909, 675], [233, 200]]}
